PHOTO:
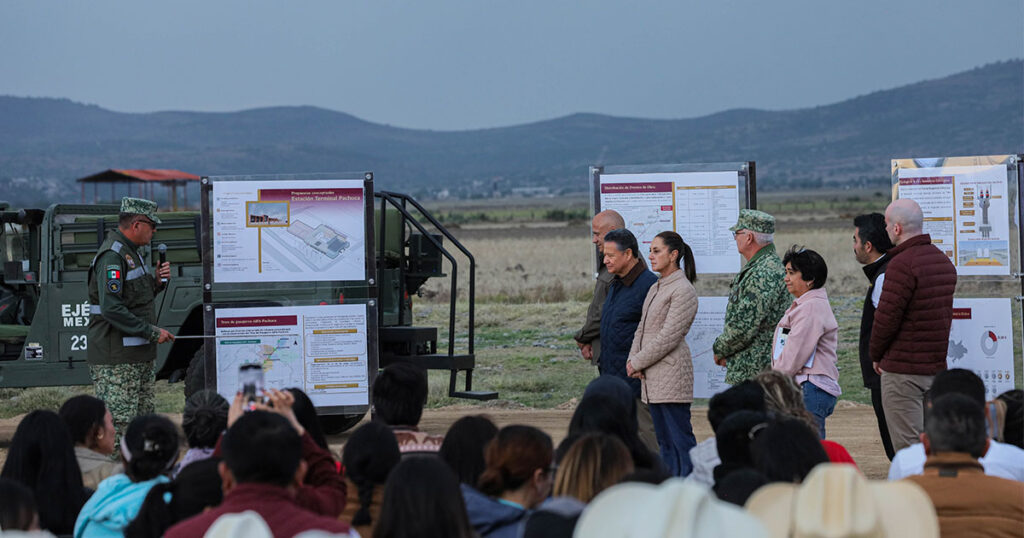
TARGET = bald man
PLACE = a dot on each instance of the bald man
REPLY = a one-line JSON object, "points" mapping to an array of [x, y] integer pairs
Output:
{"points": [[588, 338], [910, 332]]}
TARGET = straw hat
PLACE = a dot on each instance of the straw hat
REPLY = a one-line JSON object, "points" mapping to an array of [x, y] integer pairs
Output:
{"points": [[837, 501], [675, 508]]}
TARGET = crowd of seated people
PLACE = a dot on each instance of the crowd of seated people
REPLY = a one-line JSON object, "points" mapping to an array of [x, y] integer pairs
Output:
{"points": [[268, 471]]}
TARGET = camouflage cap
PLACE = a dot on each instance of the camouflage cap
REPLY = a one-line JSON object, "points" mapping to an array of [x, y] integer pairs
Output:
{"points": [[755, 221], [140, 206]]}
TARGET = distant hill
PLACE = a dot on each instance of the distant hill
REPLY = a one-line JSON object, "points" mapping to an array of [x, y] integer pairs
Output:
{"points": [[47, 143]]}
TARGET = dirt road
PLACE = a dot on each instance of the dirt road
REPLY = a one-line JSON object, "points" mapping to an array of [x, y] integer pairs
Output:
{"points": [[852, 425]]}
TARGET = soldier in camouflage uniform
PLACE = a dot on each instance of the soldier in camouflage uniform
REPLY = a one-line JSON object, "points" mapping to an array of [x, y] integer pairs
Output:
{"points": [[122, 337], [757, 300]]}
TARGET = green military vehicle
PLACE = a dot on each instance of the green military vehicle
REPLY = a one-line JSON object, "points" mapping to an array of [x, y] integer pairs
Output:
{"points": [[44, 308]]}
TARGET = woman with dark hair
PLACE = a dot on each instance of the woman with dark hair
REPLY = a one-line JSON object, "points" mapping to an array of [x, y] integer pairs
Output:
{"points": [[422, 498], [92, 430], [42, 458], [368, 458], [785, 450], [517, 477], [149, 448], [608, 407], [305, 412], [660, 356], [17, 507], [464, 444], [204, 420], [806, 338], [196, 488]]}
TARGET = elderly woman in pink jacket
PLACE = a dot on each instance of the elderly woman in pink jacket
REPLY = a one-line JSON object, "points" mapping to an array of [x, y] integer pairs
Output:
{"points": [[807, 335], [660, 356]]}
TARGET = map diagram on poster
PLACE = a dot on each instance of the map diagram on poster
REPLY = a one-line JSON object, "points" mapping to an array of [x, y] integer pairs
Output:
{"points": [[981, 340], [287, 231], [699, 206], [708, 377], [320, 349], [966, 212]]}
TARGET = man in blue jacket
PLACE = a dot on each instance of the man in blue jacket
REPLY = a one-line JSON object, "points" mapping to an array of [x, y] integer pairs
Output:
{"points": [[620, 316]]}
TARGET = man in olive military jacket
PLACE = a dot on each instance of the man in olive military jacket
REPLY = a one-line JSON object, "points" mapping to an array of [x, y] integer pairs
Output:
{"points": [[757, 300], [122, 335]]}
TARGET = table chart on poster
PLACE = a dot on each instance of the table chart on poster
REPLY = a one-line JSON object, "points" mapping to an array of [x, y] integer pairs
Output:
{"points": [[699, 206]]}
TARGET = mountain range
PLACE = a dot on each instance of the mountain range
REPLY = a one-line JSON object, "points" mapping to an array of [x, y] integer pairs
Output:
{"points": [[45, 144]]}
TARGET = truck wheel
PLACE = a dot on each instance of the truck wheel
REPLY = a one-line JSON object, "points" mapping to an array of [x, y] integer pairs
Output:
{"points": [[195, 375], [335, 424]]}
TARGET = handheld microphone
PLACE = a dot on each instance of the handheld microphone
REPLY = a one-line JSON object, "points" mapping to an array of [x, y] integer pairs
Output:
{"points": [[163, 258]]}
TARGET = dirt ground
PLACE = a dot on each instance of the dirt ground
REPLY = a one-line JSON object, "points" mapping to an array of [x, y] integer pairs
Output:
{"points": [[852, 425]]}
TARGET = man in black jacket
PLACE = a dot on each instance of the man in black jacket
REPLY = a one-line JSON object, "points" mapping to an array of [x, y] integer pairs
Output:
{"points": [[870, 243]]}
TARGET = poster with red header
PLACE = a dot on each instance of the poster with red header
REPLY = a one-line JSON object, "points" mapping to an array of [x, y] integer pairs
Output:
{"points": [[321, 349], [288, 231]]}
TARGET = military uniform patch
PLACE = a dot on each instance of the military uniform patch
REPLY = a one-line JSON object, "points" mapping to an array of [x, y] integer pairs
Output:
{"points": [[131, 262], [114, 286], [114, 274]]}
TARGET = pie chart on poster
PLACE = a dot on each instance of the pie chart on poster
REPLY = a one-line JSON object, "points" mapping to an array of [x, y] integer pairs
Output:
{"points": [[989, 343]]}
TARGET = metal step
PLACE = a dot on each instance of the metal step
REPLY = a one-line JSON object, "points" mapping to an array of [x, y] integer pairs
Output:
{"points": [[435, 361], [482, 395]]}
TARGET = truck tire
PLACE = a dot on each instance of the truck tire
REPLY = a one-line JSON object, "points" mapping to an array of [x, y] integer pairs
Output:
{"points": [[195, 374], [335, 424]]}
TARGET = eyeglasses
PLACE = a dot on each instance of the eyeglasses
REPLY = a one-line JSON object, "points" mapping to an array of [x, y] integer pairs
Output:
{"points": [[149, 222], [738, 233]]}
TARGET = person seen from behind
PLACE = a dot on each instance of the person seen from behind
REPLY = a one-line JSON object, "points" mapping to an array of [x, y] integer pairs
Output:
{"points": [[262, 471], [517, 478], [807, 336], [660, 356], [195, 489], [92, 430], [745, 396], [399, 395], [42, 458], [204, 420], [999, 459], [910, 332], [17, 508], [370, 454], [149, 449], [422, 498], [968, 502]]}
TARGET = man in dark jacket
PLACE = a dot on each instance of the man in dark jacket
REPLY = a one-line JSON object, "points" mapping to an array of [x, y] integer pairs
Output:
{"points": [[870, 243], [588, 338], [910, 333], [621, 312]]}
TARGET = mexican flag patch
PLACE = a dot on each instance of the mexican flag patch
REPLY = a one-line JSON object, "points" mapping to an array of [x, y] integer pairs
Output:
{"points": [[113, 274]]}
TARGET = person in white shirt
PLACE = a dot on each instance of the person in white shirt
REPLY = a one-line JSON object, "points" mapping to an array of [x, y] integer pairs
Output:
{"points": [[1002, 460]]}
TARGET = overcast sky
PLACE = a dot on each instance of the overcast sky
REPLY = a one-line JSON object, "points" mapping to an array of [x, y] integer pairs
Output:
{"points": [[464, 64]]}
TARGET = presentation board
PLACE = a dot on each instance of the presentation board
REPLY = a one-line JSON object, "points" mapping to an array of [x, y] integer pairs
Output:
{"points": [[708, 377], [981, 340], [320, 349], [700, 204], [289, 231], [967, 209]]}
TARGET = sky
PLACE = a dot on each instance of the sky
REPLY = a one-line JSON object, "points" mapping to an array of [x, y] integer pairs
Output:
{"points": [[468, 64]]}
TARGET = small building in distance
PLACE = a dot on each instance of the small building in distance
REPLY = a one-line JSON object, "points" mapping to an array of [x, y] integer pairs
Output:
{"points": [[142, 183]]}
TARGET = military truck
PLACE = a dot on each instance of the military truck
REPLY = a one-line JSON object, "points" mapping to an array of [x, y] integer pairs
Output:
{"points": [[44, 308]]}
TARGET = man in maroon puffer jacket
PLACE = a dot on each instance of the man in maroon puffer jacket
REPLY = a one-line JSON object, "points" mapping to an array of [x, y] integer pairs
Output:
{"points": [[910, 334]]}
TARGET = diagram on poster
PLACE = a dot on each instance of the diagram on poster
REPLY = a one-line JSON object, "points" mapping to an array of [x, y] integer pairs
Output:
{"points": [[981, 340], [320, 349], [966, 211], [287, 231], [708, 377], [699, 206]]}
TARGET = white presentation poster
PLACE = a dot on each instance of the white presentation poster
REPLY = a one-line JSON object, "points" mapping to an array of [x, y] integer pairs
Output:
{"points": [[981, 340], [699, 206], [319, 349], [708, 377], [966, 211], [288, 231]]}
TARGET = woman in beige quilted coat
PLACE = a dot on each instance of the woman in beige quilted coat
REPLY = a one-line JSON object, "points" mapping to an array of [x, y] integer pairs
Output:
{"points": [[660, 356]]}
